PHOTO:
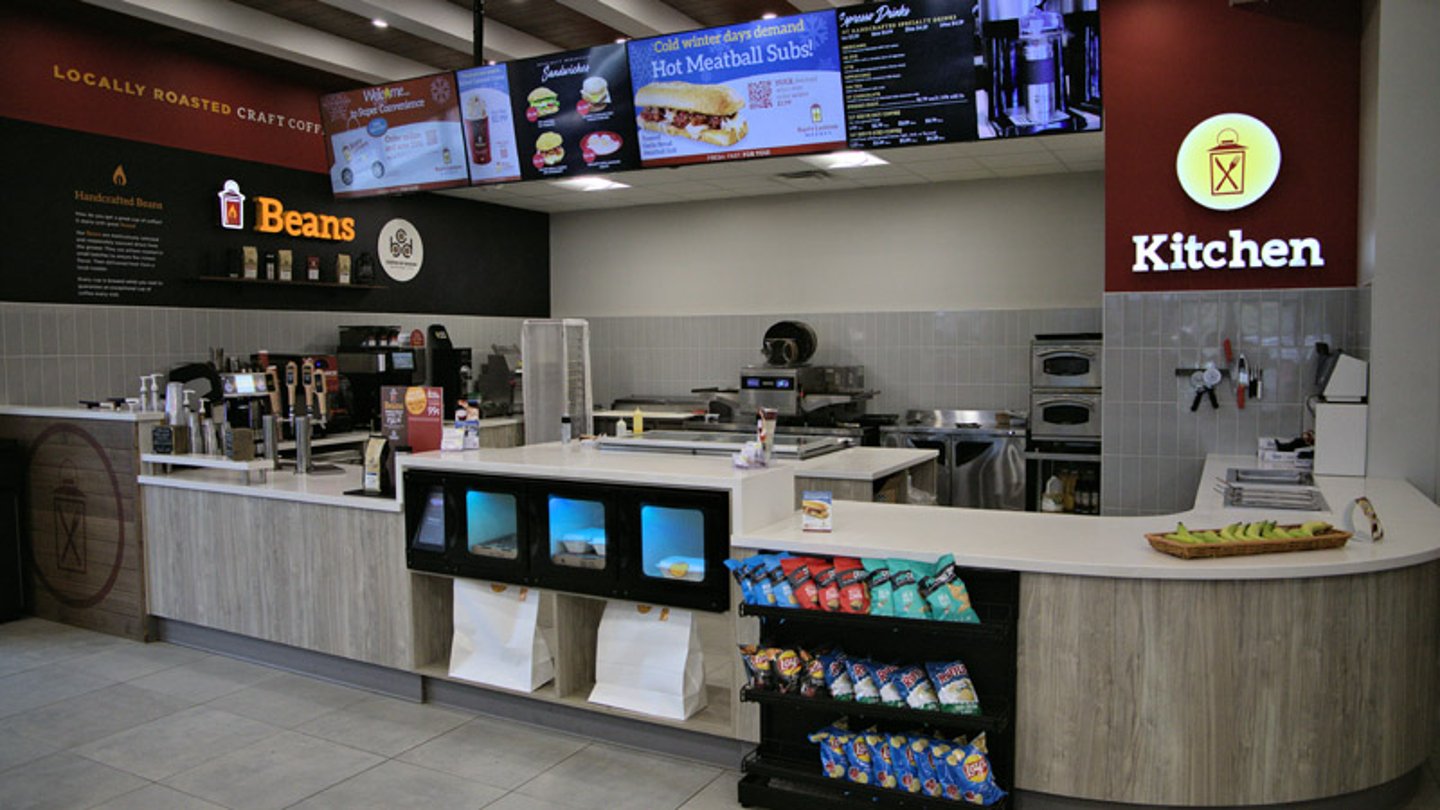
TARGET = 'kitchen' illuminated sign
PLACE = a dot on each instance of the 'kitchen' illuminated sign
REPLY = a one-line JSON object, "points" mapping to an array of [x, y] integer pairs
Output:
{"points": [[1237, 170]]}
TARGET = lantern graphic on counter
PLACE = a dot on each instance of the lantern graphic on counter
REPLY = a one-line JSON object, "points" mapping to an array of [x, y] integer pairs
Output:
{"points": [[70, 529], [232, 206], [1227, 164], [816, 114]]}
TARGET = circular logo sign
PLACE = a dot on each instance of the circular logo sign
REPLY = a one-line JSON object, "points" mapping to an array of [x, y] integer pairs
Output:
{"points": [[400, 250], [1228, 161], [77, 517]]}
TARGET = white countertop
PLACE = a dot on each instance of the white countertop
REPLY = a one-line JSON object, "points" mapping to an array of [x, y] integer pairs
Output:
{"points": [[649, 413], [1116, 546], [66, 412], [578, 462], [283, 485], [863, 463]]}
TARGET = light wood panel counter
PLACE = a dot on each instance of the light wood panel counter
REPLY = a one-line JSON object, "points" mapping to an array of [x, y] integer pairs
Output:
{"points": [[1148, 680]]}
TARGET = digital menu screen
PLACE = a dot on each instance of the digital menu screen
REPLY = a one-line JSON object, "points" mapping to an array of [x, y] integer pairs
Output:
{"points": [[490, 148], [402, 136], [758, 89], [909, 72], [572, 113]]}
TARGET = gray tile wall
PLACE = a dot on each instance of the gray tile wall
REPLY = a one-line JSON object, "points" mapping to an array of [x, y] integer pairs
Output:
{"points": [[55, 354], [1154, 445], [956, 359]]}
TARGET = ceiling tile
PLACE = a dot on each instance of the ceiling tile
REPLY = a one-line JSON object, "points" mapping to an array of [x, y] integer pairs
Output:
{"points": [[1028, 159]]}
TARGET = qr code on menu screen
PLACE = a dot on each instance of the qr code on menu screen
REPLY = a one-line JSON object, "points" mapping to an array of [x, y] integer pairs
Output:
{"points": [[760, 95]]}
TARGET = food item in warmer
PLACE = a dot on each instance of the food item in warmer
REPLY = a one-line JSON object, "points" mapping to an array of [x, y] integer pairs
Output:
{"points": [[596, 92], [701, 112], [544, 101], [550, 147], [953, 687], [946, 594], [880, 587]]}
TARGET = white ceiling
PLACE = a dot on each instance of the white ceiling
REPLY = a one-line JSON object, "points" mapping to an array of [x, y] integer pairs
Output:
{"points": [[446, 24]]}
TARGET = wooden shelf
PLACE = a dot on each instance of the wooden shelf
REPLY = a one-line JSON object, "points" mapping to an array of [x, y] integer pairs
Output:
{"points": [[297, 283]]}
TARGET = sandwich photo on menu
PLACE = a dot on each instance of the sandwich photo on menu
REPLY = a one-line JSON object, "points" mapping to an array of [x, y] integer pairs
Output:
{"points": [[544, 102], [549, 149], [596, 94], [701, 112]]}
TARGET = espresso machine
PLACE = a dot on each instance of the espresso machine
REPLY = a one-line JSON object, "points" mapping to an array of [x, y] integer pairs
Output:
{"points": [[370, 358]]}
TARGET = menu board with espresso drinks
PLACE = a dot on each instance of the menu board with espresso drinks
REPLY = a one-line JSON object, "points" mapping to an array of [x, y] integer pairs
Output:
{"points": [[572, 113], [490, 146], [403, 136], [758, 89], [909, 72]]}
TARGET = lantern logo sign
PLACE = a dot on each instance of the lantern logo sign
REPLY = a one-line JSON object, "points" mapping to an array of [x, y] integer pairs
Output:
{"points": [[70, 534], [1228, 161], [232, 206]]}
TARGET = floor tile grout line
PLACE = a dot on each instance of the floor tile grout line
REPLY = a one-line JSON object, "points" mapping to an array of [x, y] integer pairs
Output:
{"points": [[382, 761]]}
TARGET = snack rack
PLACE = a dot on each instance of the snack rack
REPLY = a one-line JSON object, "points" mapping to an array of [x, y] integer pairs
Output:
{"points": [[784, 770]]}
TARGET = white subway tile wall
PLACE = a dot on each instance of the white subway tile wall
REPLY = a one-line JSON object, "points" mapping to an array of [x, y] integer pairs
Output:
{"points": [[1154, 446], [57, 354], [950, 359]]}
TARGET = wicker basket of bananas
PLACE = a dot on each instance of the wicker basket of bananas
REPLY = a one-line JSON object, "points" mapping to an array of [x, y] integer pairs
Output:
{"points": [[1257, 537]]}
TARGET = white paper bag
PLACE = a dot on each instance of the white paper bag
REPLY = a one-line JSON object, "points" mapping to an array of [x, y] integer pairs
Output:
{"points": [[497, 641], [648, 660]]}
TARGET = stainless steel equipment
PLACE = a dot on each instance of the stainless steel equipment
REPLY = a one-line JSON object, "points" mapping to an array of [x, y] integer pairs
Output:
{"points": [[836, 393], [720, 443], [1269, 478], [1066, 361], [1065, 415], [982, 454]]}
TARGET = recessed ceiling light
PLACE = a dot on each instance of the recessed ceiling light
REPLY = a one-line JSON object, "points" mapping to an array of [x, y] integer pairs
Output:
{"points": [[619, 40], [845, 160], [589, 184], [379, 23], [769, 15]]}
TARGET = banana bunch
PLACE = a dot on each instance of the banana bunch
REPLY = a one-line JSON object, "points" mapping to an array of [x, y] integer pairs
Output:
{"points": [[1240, 532]]}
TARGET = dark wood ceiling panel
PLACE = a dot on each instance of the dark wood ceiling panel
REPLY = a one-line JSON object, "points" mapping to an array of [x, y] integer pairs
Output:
{"points": [[331, 20], [710, 13], [549, 21]]}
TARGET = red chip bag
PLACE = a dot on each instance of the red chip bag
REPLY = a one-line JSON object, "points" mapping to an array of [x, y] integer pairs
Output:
{"points": [[800, 571], [850, 577], [826, 579]]}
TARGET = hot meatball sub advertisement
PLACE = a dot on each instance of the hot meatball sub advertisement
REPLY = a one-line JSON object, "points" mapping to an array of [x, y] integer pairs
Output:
{"points": [[760, 89], [572, 113]]}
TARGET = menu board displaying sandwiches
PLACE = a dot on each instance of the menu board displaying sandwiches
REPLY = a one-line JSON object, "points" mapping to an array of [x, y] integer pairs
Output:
{"points": [[573, 113], [759, 89], [490, 146], [402, 136], [909, 71]]}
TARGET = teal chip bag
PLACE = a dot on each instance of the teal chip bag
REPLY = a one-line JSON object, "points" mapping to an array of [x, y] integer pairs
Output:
{"points": [[880, 588], [946, 594], [905, 599]]}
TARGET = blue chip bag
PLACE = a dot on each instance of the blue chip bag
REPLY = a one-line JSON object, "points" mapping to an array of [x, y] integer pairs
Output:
{"points": [[953, 687], [882, 766], [758, 570], [837, 675], [780, 586], [924, 767], [905, 599], [861, 760], [833, 762], [880, 587], [866, 689], [969, 768], [940, 750], [882, 674], [737, 570], [946, 594], [914, 688], [898, 747]]}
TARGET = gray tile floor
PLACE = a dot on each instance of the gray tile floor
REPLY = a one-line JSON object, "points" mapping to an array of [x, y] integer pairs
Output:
{"points": [[88, 720]]}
